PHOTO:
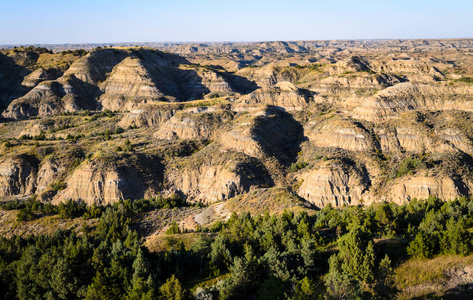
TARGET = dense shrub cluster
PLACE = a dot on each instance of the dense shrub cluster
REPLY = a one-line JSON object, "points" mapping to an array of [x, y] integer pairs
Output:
{"points": [[77, 52], [466, 79], [33, 209]]}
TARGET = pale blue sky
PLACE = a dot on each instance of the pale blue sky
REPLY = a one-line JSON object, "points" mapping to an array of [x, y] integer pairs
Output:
{"points": [[97, 21]]}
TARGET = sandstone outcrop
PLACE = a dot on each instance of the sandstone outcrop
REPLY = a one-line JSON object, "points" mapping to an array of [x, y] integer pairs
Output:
{"points": [[210, 175], [204, 81], [147, 116], [283, 94], [413, 70], [103, 181], [195, 125], [40, 75], [94, 67], [361, 80], [128, 85], [44, 99], [49, 171], [269, 75], [421, 187], [67, 94], [339, 133], [268, 132], [388, 103], [18, 175], [332, 183], [353, 64]]}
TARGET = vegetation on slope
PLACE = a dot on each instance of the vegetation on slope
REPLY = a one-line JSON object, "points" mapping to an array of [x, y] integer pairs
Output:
{"points": [[345, 253]]}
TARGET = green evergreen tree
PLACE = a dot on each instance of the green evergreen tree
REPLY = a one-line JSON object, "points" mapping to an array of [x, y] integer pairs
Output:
{"points": [[271, 288], [356, 254], [62, 280], [422, 246], [456, 239], [172, 290], [385, 287], [341, 285], [142, 286], [305, 289]]}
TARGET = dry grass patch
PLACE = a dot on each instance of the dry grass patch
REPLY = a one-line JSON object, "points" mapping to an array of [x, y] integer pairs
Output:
{"points": [[418, 271], [271, 200], [166, 242], [426, 278], [9, 225]]}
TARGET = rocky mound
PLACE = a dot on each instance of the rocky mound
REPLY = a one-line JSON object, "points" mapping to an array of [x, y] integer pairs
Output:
{"points": [[212, 175], [128, 85], [34, 78], [421, 187], [269, 75], [339, 133], [269, 132], [391, 101], [333, 182], [117, 79], [192, 124], [107, 180], [259, 201], [18, 175], [283, 94], [148, 116]]}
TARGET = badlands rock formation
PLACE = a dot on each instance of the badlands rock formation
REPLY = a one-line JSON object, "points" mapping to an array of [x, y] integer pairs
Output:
{"points": [[215, 174], [339, 122]]}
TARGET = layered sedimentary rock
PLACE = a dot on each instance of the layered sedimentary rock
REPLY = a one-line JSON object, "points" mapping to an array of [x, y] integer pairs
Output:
{"points": [[269, 75], [421, 187], [18, 175], [40, 75], [211, 175], [49, 172], [44, 99], [338, 133], [334, 122], [388, 103], [148, 116], [283, 94], [359, 81], [104, 181], [128, 85], [95, 66], [211, 82], [332, 184], [118, 80], [195, 125]]}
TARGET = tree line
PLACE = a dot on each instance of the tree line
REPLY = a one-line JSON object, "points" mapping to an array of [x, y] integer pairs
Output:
{"points": [[331, 254]]}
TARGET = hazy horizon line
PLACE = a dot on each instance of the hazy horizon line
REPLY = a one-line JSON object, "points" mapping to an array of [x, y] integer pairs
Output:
{"points": [[233, 41]]}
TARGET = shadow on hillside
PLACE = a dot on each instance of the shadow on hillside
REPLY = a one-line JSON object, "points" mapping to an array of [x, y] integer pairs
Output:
{"points": [[240, 84], [84, 94], [139, 173], [185, 84], [463, 291], [279, 134], [12, 76], [253, 170], [169, 79]]}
